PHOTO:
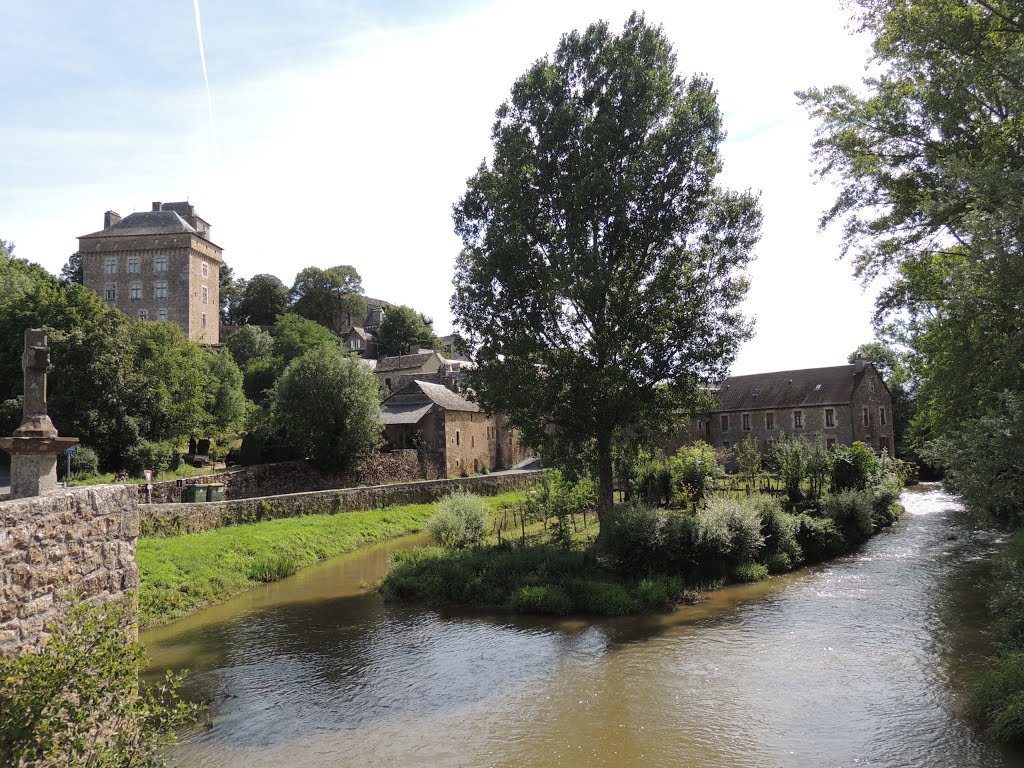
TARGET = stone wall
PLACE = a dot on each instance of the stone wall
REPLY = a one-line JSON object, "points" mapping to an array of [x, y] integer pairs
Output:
{"points": [[174, 519], [298, 476], [53, 546]]}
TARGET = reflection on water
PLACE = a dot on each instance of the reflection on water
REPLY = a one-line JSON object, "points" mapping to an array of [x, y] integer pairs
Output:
{"points": [[849, 664]]}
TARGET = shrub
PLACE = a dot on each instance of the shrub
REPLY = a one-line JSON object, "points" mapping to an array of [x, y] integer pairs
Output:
{"points": [[729, 530], [997, 699], [851, 511], [272, 567], [819, 538], [460, 521], [885, 509], [85, 462], [853, 467], [790, 456], [159, 457], [781, 551], [695, 469], [748, 573], [652, 482], [79, 700]]}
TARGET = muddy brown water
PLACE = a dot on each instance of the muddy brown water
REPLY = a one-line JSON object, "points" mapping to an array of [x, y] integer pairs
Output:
{"points": [[856, 663]]}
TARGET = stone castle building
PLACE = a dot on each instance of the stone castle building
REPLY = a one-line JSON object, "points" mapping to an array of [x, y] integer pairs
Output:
{"points": [[157, 265], [838, 405]]}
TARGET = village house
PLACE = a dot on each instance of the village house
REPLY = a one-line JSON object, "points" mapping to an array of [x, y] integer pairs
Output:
{"points": [[457, 432], [157, 265], [397, 371], [839, 405]]}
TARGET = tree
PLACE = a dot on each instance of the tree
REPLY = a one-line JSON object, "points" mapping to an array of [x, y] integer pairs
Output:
{"points": [[294, 336], [262, 299], [72, 272], [602, 267], [230, 293], [931, 170], [894, 369], [402, 328], [327, 405], [331, 297]]}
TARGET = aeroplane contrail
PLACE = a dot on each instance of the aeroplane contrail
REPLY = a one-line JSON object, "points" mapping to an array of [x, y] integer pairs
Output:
{"points": [[206, 76]]}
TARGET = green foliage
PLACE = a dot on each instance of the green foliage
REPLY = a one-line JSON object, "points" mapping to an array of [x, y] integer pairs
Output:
{"points": [[601, 199], [748, 460], [327, 405], [78, 702], [997, 699], [261, 300], [402, 328], [11, 413], [853, 467], [157, 456], [695, 469], [781, 551], [819, 538], [790, 456], [72, 271], [461, 520], [294, 336], [851, 511], [652, 482], [85, 462], [272, 567], [748, 573], [524, 579], [729, 530], [331, 297], [250, 343]]}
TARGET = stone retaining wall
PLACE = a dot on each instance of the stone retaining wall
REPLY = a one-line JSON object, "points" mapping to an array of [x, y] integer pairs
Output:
{"points": [[298, 476], [173, 519], [51, 546]]}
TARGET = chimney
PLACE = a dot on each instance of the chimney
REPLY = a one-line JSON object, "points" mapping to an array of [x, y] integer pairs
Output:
{"points": [[158, 206], [858, 365], [110, 218]]}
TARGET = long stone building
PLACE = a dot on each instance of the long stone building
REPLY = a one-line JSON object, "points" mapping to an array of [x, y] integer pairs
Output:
{"points": [[839, 405], [157, 265]]}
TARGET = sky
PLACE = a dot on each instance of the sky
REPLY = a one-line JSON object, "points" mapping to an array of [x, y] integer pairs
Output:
{"points": [[342, 132]]}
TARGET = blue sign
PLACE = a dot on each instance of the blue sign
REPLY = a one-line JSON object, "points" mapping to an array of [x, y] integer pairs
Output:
{"points": [[72, 451]]}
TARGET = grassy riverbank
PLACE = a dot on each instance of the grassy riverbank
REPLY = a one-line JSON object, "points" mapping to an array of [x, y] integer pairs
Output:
{"points": [[996, 702], [181, 574], [650, 558]]}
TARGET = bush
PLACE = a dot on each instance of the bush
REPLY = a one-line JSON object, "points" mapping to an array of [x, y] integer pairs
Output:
{"points": [[695, 469], [85, 462], [819, 538], [748, 573], [79, 700], [652, 482], [997, 699], [729, 531], [851, 511], [159, 457], [460, 521], [885, 508], [790, 458], [853, 467], [272, 567], [781, 551]]}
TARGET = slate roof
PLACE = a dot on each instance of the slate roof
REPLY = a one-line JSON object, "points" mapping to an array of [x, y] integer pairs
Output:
{"points": [[403, 362], [146, 223], [404, 413], [789, 389], [359, 332], [425, 393]]}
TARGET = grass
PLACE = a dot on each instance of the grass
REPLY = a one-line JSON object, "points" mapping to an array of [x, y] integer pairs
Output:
{"points": [[181, 574], [182, 472]]}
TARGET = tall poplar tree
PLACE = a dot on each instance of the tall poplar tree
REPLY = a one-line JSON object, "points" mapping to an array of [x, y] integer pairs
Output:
{"points": [[602, 267]]}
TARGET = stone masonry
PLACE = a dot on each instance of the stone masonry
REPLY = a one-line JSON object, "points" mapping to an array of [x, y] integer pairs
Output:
{"points": [[53, 547]]}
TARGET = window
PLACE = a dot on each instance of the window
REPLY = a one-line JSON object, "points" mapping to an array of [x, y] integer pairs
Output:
{"points": [[206, 269], [725, 422], [161, 315], [472, 441], [202, 320], [457, 437], [798, 419], [746, 422], [134, 263], [160, 264], [725, 443], [110, 265], [830, 417], [206, 295], [865, 416], [160, 289], [110, 293], [769, 421], [135, 291], [881, 415], [143, 314]]}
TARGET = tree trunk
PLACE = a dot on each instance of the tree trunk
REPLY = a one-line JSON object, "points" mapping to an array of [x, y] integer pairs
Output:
{"points": [[605, 484]]}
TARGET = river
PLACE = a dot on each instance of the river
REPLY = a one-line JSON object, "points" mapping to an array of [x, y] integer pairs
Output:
{"points": [[854, 663]]}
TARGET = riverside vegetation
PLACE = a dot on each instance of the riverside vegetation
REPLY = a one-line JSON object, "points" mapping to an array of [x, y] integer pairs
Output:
{"points": [[675, 535], [181, 574]]}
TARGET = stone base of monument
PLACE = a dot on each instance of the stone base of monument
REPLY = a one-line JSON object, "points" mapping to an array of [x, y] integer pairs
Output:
{"points": [[34, 463]]}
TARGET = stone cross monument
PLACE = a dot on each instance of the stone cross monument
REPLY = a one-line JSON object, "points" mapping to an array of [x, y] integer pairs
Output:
{"points": [[34, 448]]}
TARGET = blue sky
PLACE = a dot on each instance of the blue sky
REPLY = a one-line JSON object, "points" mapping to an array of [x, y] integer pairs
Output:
{"points": [[343, 132]]}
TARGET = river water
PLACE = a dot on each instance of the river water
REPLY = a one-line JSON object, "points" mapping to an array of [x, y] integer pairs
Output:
{"points": [[854, 663]]}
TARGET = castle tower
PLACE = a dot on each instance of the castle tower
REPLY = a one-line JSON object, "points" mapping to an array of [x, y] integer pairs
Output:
{"points": [[157, 265]]}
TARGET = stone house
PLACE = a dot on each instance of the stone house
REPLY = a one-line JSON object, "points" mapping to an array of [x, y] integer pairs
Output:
{"points": [[157, 265], [362, 342], [457, 432], [397, 371], [839, 405]]}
